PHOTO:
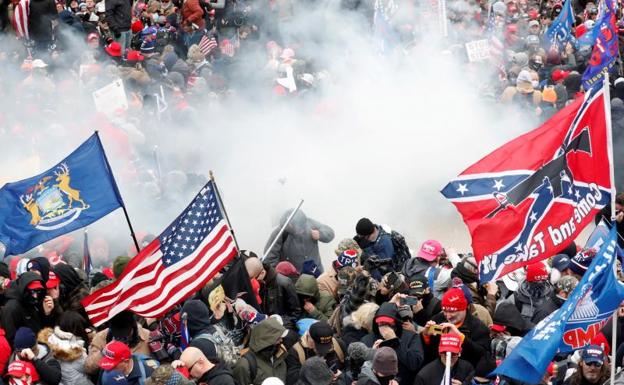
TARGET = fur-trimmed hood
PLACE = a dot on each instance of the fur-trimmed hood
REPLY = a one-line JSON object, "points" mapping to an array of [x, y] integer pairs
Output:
{"points": [[64, 346]]}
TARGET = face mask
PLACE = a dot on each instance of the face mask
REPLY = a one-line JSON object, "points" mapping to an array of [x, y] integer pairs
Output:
{"points": [[35, 297], [535, 66], [385, 380]]}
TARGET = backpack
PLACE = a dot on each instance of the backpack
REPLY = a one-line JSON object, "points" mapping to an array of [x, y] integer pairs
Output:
{"points": [[227, 351], [401, 250]]}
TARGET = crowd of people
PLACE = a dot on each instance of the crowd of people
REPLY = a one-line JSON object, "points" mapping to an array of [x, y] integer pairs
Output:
{"points": [[380, 313]]}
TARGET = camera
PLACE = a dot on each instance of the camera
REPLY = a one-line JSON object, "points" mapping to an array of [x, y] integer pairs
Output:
{"points": [[436, 329]]}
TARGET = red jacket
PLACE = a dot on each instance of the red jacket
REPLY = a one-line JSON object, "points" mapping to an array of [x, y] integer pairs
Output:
{"points": [[192, 12]]}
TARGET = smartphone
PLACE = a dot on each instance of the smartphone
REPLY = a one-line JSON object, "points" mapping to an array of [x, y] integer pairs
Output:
{"points": [[436, 329], [409, 300]]}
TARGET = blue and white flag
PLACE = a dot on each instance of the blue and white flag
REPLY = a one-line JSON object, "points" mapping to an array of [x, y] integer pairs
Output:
{"points": [[77, 191], [560, 31], [605, 50], [575, 324]]}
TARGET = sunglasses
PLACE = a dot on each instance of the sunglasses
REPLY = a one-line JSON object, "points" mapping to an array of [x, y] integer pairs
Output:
{"points": [[596, 364]]}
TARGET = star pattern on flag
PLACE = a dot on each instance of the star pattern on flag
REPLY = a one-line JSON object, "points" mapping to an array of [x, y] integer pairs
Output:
{"points": [[187, 233]]}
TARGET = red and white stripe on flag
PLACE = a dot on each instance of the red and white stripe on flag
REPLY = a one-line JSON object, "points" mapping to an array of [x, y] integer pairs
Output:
{"points": [[20, 18], [206, 44]]}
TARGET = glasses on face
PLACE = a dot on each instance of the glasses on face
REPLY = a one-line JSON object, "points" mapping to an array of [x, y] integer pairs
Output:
{"points": [[595, 364]]}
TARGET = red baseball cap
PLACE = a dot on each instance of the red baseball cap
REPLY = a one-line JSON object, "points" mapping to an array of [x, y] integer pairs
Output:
{"points": [[113, 354], [430, 250], [35, 285], [53, 281], [559, 75], [537, 272], [450, 343], [19, 368]]}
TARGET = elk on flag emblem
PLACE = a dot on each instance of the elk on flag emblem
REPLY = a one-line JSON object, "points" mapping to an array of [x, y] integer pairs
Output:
{"points": [[530, 198]]}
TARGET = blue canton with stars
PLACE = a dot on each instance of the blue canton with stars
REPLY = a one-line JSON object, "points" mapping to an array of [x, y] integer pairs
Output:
{"points": [[188, 231]]}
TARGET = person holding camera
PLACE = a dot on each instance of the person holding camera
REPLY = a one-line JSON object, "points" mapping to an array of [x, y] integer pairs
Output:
{"points": [[455, 318], [394, 329], [426, 305]]}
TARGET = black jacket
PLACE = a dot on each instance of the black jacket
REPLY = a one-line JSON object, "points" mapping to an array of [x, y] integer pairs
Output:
{"points": [[280, 297], [18, 312], [42, 12], [407, 345], [548, 306], [47, 367], [433, 373], [219, 375], [351, 334], [476, 340], [118, 15], [431, 307]]}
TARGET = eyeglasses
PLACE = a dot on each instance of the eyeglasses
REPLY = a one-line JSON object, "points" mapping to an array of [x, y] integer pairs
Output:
{"points": [[596, 364]]}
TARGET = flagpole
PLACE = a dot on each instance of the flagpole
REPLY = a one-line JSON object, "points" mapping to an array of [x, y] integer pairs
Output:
{"points": [[123, 205], [279, 233], [227, 218], [607, 107]]}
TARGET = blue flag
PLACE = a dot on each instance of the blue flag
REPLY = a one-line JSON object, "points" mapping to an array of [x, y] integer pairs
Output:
{"points": [[575, 324], [605, 40], [74, 193], [559, 31]]}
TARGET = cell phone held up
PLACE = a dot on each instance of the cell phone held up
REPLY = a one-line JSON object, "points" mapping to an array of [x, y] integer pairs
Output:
{"points": [[409, 300], [436, 329]]}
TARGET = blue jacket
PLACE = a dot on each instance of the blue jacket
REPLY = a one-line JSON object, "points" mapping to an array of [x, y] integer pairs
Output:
{"points": [[382, 247]]}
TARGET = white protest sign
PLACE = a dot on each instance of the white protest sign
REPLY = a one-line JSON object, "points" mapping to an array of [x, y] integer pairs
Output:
{"points": [[478, 50], [109, 99]]}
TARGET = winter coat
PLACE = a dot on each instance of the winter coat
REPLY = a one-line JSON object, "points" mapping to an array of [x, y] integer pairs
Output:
{"points": [[100, 340], [367, 376], [294, 359], [433, 372], [325, 303], [118, 15], [18, 312], [262, 342], [526, 300], [74, 289], [351, 334], [440, 276], [328, 282], [47, 367], [42, 12], [219, 375], [280, 297], [431, 307], [5, 351], [296, 244], [192, 12], [70, 352], [381, 247], [548, 306], [407, 344], [476, 343]]}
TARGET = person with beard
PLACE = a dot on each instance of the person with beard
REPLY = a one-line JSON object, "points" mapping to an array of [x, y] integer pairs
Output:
{"points": [[124, 328], [266, 356], [455, 318], [461, 371], [204, 366], [530, 295], [563, 289], [27, 306], [592, 368], [390, 330]]}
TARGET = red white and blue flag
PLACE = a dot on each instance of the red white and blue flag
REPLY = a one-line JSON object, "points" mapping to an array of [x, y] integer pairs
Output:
{"points": [[172, 267], [530, 198], [20, 19]]}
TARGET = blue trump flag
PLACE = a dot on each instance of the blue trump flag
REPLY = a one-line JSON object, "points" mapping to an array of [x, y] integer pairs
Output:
{"points": [[74, 193], [559, 31], [573, 326], [605, 40]]}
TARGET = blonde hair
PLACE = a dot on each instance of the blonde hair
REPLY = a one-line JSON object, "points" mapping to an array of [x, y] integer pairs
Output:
{"points": [[363, 316]]}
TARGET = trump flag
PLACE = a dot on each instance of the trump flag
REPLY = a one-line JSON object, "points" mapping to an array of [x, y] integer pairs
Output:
{"points": [[77, 191], [530, 198]]}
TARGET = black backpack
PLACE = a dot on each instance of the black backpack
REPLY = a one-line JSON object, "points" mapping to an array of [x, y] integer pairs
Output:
{"points": [[401, 250]]}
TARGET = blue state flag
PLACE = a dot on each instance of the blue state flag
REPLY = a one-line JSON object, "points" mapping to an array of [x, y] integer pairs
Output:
{"points": [[605, 50], [77, 191], [575, 324], [560, 31]]}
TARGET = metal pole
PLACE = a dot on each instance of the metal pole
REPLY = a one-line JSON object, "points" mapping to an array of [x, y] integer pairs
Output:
{"points": [[447, 369], [279, 234], [227, 218], [123, 205]]}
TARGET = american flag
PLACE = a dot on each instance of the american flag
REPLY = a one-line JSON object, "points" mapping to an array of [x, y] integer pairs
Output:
{"points": [[172, 267], [20, 18], [207, 44]]}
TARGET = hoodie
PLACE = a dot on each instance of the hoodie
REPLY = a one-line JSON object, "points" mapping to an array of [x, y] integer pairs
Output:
{"points": [[270, 356], [367, 377], [324, 303], [219, 375], [198, 318], [19, 312], [407, 344]]}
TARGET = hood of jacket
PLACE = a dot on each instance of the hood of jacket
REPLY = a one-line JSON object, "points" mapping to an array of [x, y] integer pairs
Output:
{"points": [[197, 317], [18, 288], [217, 371], [265, 334], [68, 277], [64, 346], [307, 285], [388, 309], [415, 267], [367, 372]]}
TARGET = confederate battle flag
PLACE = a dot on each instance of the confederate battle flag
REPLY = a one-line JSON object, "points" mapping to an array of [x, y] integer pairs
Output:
{"points": [[530, 198]]}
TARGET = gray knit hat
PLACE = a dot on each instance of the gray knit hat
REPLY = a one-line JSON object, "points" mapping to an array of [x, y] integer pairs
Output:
{"points": [[315, 372]]}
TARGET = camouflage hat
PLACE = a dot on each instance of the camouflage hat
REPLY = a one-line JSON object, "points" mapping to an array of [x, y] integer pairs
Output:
{"points": [[348, 244], [345, 277], [167, 375], [567, 283]]}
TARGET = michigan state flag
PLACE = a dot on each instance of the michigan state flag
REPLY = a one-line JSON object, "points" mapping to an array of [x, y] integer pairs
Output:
{"points": [[77, 191]]}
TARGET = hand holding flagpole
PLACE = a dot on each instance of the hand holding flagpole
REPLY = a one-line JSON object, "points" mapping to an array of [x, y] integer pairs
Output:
{"points": [[279, 234]]}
